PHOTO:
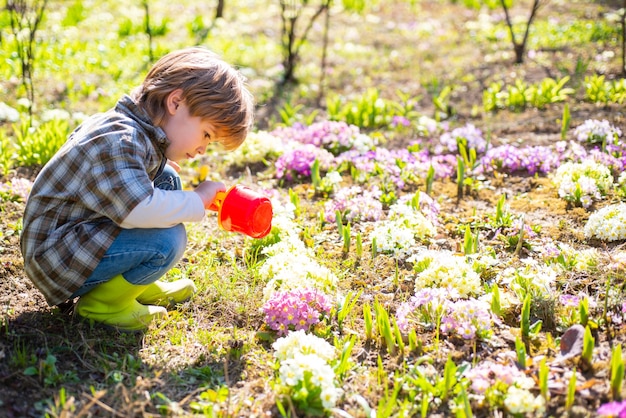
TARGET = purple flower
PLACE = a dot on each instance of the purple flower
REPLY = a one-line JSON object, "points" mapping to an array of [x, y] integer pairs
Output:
{"points": [[298, 162], [511, 159], [355, 204], [613, 409], [400, 121], [472, 136], [569, 300], [333, 136]]}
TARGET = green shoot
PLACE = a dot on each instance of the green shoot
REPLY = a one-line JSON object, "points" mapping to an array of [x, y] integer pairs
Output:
{"points": [[617, 372], [520, 351], [544, 372], [346, 306], [316, 179], [496, 308], [583, 309], [345, 363], [460, 176], [525, 321], [469, 246], [414, 344], [339, 220], [430, 177], [398, 336], [367, 318], [384, 326], [571, 391], [449, 378], [346, 238], [588, 344], [295, 201], [359, 245], [565, 122]]}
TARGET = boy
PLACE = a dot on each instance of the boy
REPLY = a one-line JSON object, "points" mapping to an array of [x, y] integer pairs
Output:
{"points": [[103, 221]]}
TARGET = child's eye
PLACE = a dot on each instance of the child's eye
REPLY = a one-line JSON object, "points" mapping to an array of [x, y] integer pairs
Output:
{"points": [[207, 136]]}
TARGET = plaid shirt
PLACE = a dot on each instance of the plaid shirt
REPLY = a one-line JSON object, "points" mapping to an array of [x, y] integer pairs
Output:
{"points": [[84, 192]]}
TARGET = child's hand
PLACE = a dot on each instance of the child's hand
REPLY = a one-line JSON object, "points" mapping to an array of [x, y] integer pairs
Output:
{"points": [[207, 191]]}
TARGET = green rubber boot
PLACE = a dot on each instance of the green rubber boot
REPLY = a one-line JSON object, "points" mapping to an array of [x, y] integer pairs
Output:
{"points": [[167, 293], [114, 303]]}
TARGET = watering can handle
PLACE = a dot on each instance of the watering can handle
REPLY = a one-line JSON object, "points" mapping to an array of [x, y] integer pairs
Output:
{"points": [[217, 201]]}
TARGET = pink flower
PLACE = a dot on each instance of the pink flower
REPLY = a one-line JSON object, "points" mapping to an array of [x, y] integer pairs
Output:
{"points": [[613, 409], [295, 310]]}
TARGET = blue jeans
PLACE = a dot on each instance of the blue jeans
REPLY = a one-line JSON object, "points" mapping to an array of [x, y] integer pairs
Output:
{"points": [[142, 255]]}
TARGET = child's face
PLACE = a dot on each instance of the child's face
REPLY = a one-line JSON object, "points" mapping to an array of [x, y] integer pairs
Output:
{"points": [[188, 135]]}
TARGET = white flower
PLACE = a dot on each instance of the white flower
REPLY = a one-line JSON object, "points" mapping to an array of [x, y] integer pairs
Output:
{"points": [[447, 270], [608, 223], [595, 131], [8, 114], [392, 237], [531, 276], [584, 182], [299, 342], [257, 147], [305, 358], [398, 234], [291, 265], [521, 401]]}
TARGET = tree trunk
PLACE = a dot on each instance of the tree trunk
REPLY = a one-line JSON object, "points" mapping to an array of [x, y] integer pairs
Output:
{"points": [[219, 12]]}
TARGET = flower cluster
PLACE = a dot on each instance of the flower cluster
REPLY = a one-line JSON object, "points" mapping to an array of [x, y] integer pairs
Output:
{"points": [[305, 373], [333, 136], [505, 385], [511, 159], [429, 207], [380, 162], [355, 204], [488, 374], [570, 258], [296, 162], [258, 147], [290, 266], [468, 319], [422, 309], [583, 183], [447, 270], [608, 223], [397, 234], [329, 183], [298, 309], [597, 132], [520, 401], [471, 136], [532, 277]]}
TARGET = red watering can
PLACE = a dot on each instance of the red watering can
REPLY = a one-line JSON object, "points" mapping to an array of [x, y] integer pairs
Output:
{"points": [[241, 209]]}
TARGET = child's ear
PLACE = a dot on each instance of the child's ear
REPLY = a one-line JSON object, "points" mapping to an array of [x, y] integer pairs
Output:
{"points": [[174, 99]]}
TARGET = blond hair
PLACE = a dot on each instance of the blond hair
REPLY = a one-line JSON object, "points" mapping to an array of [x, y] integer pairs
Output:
{"points": [[211, 88]]}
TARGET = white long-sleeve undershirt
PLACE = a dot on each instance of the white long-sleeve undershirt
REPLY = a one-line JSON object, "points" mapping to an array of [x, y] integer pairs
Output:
{"points": [[166, 208]]}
